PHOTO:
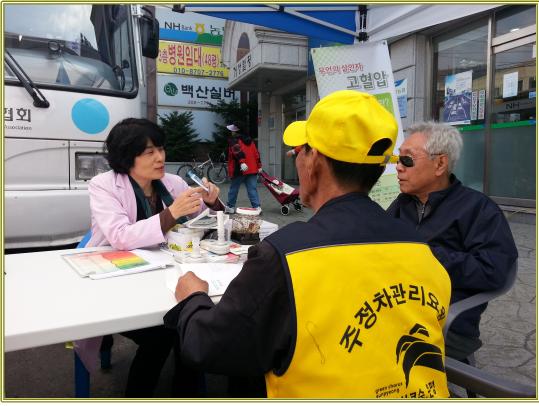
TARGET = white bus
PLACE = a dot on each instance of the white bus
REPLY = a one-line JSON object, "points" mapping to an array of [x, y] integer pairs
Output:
{"points": [[71, 72]]}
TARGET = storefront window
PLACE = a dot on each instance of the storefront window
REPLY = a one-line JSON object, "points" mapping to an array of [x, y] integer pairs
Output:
{"points": [[499, 127], [460, 68], [514, 19], [513, 145], [243, 47]]}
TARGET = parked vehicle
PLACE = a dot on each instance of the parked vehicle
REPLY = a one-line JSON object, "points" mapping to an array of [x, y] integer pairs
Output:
{"points": [[71, 72]]}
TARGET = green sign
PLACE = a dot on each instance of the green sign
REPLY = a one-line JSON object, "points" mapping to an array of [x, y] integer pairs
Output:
{"points": [[385, 100], [170, 89]]}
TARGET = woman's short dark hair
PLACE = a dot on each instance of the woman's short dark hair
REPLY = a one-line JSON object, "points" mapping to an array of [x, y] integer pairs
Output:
{"points": [[128, 139]]}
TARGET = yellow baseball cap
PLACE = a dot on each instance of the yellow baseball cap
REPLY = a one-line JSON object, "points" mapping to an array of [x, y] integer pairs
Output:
{"points": [[344, 125]]}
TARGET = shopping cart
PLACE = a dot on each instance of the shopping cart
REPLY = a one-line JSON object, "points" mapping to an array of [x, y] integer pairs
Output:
{"points": [[285, 194]]}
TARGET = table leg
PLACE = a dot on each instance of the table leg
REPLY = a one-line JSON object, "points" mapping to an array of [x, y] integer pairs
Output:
{"points": [[105, 351], [82, 379]]}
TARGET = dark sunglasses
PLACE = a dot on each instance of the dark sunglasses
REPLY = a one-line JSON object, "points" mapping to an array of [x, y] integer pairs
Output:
{"points": [[408, 161]]}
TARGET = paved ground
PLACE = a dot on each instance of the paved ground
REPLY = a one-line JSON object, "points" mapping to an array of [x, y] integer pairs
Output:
{"points": [[508, 331], [508, 326]]}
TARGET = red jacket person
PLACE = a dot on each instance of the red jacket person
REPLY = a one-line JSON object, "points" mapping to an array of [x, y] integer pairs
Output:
{"points": [[243, 165]]}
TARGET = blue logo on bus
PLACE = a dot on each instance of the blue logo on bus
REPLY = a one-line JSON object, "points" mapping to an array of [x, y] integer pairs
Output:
{"points": [[90, 116]]}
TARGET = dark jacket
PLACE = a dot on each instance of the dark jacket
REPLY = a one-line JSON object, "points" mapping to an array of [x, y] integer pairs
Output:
{"points": [[250, 331], [470, 236]]}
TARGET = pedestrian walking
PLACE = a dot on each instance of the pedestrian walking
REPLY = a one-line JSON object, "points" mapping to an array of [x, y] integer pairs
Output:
{"points": [[243, 165]]}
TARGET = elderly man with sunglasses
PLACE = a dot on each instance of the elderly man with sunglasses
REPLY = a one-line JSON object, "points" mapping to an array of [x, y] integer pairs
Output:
{"points": [[466, 230]]}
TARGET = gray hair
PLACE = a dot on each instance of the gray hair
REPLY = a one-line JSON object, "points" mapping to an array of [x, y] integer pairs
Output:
{"points": [[441, 139]]}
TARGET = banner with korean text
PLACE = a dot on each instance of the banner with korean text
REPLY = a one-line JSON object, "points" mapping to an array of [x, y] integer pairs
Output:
{"points": [[366, 68], [175, 90], [189, 27], [190, 59]]}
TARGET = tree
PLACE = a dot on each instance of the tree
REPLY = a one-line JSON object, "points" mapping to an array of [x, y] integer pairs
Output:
{"points": [[232, 112], [181, 137]]}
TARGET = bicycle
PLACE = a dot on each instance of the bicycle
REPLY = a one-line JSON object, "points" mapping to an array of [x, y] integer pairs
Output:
{"points": [[215, 172]]}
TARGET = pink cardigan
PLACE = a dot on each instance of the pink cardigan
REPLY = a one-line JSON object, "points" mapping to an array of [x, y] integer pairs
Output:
{"points": [[114, 222], [114, 212]]}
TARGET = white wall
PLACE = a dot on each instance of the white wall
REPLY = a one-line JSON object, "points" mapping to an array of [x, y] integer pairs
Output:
{"points": [[409, 61]]}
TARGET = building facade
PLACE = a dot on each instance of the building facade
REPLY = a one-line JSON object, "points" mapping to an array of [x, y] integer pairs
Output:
{"points": [[189, 75], [470, 66]]}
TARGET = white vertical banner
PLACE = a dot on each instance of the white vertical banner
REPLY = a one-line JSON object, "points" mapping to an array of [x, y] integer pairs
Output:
{"points": [[366, 68], [401, 88], [473, 112], [481, 105]]}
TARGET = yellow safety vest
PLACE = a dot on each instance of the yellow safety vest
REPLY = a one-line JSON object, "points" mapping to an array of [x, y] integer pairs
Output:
{"points": [[369, 321]]}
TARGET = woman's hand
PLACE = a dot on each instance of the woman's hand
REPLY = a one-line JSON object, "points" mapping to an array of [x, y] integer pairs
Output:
{"points": [[187, 202], [211, 196]]}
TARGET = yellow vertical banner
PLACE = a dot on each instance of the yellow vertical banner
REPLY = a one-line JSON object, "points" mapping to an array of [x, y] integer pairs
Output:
{"points": [[190, 59]]}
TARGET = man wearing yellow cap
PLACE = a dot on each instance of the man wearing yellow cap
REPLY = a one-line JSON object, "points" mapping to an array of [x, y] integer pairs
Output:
{"points": [[350, 304]]}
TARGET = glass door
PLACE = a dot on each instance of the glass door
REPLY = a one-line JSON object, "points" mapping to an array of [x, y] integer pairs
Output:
{"points": [[511, 146], [513, 125], [462, 53], [484, 82]]}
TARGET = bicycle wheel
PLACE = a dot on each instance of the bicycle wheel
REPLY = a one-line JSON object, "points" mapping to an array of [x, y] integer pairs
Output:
{"points": [[182, 173], [217, 174]]}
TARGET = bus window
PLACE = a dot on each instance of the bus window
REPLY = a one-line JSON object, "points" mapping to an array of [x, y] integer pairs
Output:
{"points": [[86, 47]]}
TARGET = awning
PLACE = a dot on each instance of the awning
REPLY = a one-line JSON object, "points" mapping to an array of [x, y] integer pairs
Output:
{"points": [[343, 24], [386, 21]]}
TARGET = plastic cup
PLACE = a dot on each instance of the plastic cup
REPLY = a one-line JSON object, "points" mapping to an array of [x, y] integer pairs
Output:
{"points": [[185, 240]]}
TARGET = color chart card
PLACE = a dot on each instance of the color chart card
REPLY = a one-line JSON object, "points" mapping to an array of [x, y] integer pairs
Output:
{"points": [[89, 263]]}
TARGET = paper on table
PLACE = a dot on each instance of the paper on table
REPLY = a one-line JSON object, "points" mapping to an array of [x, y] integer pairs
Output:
{"points": [[100, 264], [217, 275]]}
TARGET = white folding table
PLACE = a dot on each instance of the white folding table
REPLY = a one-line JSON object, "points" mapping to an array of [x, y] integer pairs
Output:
{"points": [[47, 302]]}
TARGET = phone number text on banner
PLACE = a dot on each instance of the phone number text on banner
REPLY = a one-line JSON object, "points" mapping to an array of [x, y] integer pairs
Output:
{"points": [[190, 59]]}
